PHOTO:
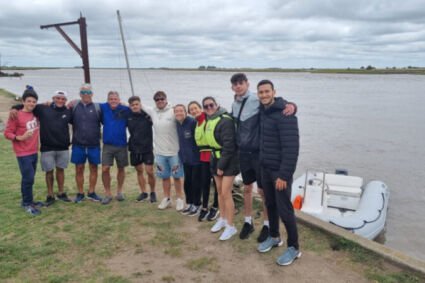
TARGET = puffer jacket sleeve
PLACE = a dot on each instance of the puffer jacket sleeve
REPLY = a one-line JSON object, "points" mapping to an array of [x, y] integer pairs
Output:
{"points": [[290, 144], [226, 136]]}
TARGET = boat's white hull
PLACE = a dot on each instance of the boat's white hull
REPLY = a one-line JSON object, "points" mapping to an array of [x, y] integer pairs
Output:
{"points": [[367, 220]]}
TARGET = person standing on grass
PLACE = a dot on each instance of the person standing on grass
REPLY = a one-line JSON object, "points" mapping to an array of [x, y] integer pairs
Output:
{"points": [[140, 145], [166, 149], [114, 118], [279, 148], [220, 137], [189, 155], [86, 120], [195, 110], [24, 132], [55, 140], [245, 109]]}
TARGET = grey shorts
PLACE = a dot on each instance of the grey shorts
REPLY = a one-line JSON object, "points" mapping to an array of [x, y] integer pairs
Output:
{"points": [[52, 159], [110, 152]]}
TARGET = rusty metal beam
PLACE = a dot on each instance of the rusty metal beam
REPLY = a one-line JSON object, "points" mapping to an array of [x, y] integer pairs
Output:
{"points": [[69, 40]]}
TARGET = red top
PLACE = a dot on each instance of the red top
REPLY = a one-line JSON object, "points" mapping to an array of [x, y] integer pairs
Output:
{"points": [[204, 155], [17, 127]]}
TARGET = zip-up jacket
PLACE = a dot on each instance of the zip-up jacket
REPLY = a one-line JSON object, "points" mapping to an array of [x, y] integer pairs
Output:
{"points": [[140, 128], [86, 125], [114, 124], [279, 142], [189, 151]]}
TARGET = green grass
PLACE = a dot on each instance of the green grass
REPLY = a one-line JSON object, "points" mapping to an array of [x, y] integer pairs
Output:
{"points": [[72, 242]]}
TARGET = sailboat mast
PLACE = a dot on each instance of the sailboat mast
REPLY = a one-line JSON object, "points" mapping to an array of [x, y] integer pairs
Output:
{"points": [[125, 52]]}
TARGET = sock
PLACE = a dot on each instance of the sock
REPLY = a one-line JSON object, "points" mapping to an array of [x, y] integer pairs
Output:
{"points": [[248, 219], [266, 223]]}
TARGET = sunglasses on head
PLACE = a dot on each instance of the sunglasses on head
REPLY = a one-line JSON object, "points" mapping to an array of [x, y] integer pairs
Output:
{"points": [[211, 105], [86, 92], [159, 99]]}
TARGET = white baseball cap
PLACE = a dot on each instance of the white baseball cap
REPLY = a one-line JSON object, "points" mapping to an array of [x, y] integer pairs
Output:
{"points": [[60, 93]]}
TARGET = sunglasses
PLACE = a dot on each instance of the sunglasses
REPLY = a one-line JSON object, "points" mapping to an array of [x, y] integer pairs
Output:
{"points": [[86, 92], [159, 99], [211, 105]]}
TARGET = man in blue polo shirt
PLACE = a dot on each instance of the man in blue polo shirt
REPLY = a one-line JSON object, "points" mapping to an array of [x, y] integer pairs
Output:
{"points": [[114, 117]]}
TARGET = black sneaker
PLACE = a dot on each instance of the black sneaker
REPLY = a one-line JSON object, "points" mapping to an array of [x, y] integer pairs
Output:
{"points": [[38, 204], [94, 197], [79, 198], [264, 233], [187, 210], [194, 211], [142, 197], [63, 197], [203, 214], [247, 229], [50, 200], [213, 214], [153, 197]]}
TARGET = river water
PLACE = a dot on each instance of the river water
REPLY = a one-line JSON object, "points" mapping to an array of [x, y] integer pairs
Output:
{"points": [[372, 125]]}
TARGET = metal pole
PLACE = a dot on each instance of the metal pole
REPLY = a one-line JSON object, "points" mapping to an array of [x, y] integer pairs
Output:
{"points": [[125, 52], [84, 49]]}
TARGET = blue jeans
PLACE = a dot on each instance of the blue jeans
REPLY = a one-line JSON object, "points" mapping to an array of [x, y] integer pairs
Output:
{"points": [[27, 166], [167, 166]]}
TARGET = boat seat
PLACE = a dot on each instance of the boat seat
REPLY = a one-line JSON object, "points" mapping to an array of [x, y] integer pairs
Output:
{"points": [[343, 185]]}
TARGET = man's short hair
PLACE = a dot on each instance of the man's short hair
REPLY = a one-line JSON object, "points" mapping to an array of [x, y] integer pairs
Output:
{"points": [[238, 78], [159, 93], [29, 92], [133, 98], [113, 92], [265, 82]]}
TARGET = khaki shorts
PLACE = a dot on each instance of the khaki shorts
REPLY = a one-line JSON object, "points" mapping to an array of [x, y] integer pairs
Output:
{"points": [[110, 152]]}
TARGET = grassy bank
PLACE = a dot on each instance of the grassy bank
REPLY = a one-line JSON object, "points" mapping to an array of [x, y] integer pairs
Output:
{"points": [[135, 242]]}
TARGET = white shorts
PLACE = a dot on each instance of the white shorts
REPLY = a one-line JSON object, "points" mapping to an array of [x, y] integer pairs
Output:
{"points": [[52, 159]]}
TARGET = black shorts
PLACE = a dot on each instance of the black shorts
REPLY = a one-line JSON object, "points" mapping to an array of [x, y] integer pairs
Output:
{"points": [[250, 168], [232, 168], [146, 158]]}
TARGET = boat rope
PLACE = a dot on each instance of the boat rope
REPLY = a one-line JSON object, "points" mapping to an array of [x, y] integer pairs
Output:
{"points": [[365, 222]]}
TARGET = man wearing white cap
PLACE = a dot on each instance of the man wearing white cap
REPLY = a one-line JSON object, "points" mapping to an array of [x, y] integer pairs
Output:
{"points": [[54, 138]]}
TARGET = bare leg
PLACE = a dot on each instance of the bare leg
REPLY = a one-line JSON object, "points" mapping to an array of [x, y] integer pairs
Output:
{"points": [[60, 179], [166, 185], [141, 178], [221, 206], [178, 187], [247, 200], [49, 183], [79, 177], [120, 179], [226, 189], [151, 177], [106, 179], [93, 177]]}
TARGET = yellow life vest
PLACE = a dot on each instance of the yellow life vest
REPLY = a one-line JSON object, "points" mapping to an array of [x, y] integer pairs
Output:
{"points": [[200, 137], [209, 135]]}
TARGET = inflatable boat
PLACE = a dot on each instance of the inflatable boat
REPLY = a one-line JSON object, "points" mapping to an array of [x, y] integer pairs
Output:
{"points": [[343, 200]]}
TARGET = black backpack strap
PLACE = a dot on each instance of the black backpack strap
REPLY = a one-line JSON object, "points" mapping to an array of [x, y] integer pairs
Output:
{"points": [[238, 120]]}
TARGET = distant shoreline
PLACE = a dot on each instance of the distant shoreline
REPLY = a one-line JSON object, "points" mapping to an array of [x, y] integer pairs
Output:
{"points": [[364, 71]]}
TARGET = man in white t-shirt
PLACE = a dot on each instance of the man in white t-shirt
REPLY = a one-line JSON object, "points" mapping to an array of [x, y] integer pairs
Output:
{"points": [[166, 148]]}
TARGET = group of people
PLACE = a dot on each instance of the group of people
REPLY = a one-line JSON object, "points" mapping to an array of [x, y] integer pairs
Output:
{"points": [[192, 145]]}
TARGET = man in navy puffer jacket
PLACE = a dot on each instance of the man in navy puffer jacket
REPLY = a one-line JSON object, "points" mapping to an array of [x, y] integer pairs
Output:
{"points": [[279, 148]]}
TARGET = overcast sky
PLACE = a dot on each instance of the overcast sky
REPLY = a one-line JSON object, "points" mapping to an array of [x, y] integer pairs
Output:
{"points": [[239, 33]]}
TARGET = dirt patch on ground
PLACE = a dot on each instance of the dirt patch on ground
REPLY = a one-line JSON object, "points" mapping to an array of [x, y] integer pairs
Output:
{"points": [[203, 258]]}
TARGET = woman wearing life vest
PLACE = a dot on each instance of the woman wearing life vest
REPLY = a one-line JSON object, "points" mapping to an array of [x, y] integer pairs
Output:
{"points": [[220, 137], [195, 110]]}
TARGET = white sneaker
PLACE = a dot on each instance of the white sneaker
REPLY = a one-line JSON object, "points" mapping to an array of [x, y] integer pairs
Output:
{"points": [[179, 204], [228, 233], [220, 224], [165, 203]]}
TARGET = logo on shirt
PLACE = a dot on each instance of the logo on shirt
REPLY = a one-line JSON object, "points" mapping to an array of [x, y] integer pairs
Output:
{"points": [[63, 116], [32, 125]]}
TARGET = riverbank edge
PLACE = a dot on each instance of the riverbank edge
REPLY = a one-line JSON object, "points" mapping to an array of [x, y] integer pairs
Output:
{"points": [[390, 255]]}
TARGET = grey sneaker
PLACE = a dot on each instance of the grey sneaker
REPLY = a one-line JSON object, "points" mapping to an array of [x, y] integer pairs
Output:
{"points": [[268, 244], [106, 200], [288, 256], [120, 197]]}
